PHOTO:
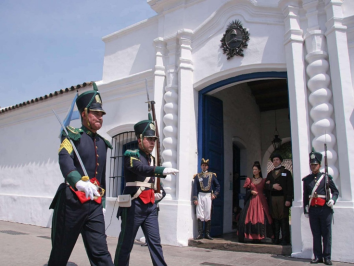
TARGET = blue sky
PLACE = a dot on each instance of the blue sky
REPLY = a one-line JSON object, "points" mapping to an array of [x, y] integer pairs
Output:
{"points": [[48, 45]]}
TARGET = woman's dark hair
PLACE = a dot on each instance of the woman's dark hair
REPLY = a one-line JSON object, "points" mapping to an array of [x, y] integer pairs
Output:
{"points": [[258, 165]]}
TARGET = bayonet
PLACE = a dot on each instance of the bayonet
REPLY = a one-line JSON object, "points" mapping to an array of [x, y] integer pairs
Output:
{"points": [[147, 94]]}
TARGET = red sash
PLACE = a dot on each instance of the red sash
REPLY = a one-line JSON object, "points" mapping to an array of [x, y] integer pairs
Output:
{"points": [[82, 196], [318, 201], [147, 196]]}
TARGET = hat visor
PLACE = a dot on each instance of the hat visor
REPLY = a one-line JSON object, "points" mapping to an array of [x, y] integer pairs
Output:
{"points": [[314, 162], [97, 109], [156, 137]]}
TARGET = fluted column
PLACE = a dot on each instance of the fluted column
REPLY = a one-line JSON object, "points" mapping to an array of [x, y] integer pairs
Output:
{"points": [[170, 119], [186, 113], [343, 98], [318, 83], [298, 105]]}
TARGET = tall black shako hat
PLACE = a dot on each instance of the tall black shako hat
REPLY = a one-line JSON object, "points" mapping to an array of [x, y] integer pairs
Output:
{"points": [[90, 101], [145, 128], [203, 161], [276, 155], [315, 157]]}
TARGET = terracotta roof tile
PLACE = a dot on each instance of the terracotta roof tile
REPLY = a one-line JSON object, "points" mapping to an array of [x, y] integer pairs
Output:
{"points": [[47, 96]]}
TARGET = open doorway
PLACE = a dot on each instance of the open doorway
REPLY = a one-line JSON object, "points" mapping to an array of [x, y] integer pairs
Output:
{"points": [[248, 106]]}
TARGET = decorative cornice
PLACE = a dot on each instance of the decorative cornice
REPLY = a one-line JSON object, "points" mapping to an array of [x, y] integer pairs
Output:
{"points": [[243, 10], [127, 30], [162, 6]]}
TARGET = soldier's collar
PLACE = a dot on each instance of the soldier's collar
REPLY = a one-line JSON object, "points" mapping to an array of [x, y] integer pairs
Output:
{"points": [[87, 131], [148, 156]]}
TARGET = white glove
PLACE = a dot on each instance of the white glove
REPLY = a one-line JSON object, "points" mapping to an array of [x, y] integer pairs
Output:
{"points": [[158, 196], [330, 203], [168, 171], [306, 215], [104, 212], [87, 187]]}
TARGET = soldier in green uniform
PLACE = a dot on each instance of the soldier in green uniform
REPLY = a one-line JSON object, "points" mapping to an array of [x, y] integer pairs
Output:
{"points": [[78, 205], [318, 210]]}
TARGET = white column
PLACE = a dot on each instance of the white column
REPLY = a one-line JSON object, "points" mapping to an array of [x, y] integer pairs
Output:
{"points": [[318, 83], [159, 82], [170, 119], [300, 132], [187, 136], [343, 102], [186, 115], [343, 98]]}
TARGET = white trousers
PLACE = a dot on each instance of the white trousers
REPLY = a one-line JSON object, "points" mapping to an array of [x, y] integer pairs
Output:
{"points": [[204, 206]]}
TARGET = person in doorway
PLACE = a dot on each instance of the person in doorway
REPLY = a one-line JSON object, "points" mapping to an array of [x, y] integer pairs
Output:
{"points": [[203, 194], [78, 205], [140, 173], [318, 210], [279, 183], [255, 222]]}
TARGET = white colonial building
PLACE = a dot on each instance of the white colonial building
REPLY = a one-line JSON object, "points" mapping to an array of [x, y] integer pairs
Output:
{"points": [[296, 75]]}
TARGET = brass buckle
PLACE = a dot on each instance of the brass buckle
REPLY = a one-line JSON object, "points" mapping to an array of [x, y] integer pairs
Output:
{"points": [[315, 196]]}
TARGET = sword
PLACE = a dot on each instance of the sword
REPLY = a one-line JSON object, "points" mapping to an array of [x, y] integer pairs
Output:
{"points": [[72, 144]]}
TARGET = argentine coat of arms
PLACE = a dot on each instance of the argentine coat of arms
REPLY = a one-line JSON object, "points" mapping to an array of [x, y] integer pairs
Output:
{"points": [[234, 39]]}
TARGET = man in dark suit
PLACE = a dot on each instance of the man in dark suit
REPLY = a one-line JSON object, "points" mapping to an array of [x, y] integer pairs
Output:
{"points": [[140, 173], [318, 209], [279, 183]]}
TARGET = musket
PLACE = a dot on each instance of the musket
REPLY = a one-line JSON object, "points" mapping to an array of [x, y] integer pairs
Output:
{"points": [[151, 108], [328, 194]]}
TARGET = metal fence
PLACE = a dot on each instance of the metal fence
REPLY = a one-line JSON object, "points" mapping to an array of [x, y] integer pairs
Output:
{"points": [[120, 143]]}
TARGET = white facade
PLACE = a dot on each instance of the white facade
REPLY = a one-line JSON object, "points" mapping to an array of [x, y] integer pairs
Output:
{"points": [[178, 52]]}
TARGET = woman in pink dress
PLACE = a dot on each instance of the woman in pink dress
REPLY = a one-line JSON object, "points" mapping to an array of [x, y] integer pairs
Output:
{"points": [[255, 221]]}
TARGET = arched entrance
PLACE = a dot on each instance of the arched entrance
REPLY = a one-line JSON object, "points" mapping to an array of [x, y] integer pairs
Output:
{"points": [[215, 134]]}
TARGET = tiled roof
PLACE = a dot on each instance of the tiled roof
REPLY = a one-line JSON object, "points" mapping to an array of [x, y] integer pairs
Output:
{"points": [[47, 96]]}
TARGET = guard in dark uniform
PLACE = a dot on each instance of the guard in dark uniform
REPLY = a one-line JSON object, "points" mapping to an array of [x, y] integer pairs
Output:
{"points": [[140, 174], [206, 187], [318, 210], [80, 201], [279, 183]]}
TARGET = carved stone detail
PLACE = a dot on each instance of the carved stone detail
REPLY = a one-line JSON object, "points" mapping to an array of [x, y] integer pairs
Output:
{"points": [[318, 83]]}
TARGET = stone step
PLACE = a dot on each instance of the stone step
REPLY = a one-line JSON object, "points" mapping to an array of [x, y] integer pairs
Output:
{"points": [[232, 244]]}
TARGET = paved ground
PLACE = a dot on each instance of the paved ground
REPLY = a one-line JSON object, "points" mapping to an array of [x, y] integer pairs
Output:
{"points": [[30, 245]]}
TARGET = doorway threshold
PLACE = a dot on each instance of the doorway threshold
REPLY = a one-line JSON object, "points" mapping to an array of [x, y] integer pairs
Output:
{"points": [[229, 242]]}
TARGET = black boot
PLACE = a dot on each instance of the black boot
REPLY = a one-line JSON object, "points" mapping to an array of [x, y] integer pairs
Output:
{"points": [[276, 231], [207, 230], [284, 231], [200, 230]]}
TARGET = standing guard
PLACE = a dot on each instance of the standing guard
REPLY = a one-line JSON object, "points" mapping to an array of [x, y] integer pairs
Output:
{"points": [[318, 209], [78, 205], [203, 195], [140, 174], [279, 183]]}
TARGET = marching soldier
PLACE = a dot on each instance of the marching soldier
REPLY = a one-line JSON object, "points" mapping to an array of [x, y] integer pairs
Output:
{"points": [[140, 173], [203, 195], [78, 205], [318, 210]]}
